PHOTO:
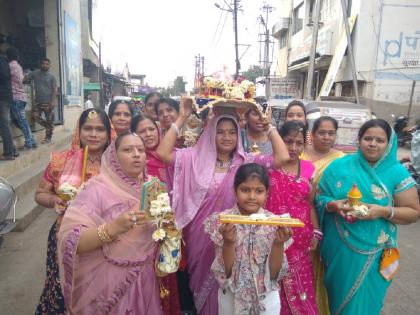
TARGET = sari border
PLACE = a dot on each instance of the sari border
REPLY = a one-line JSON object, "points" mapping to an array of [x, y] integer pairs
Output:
{"points": [[356, 284], [200, 297], [353, 248]]}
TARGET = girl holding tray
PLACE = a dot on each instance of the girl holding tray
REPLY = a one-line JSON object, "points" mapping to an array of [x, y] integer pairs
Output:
{"points": [[249, 259], [291, 193], [203, 184]]}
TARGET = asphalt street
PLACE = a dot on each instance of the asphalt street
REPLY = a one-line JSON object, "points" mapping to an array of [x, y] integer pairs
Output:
{"points": [[23, 254]]}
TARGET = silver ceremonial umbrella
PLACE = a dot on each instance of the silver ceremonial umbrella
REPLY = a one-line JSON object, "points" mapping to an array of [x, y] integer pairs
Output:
{"points": [[8, 200]]}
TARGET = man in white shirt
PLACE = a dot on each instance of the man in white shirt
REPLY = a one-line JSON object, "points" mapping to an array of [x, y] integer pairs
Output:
{"points": [[88, 102]]}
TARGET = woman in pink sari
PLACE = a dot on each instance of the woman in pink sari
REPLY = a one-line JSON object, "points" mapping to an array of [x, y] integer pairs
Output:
{"points": [[106, 251], [290, 192], [202, 185]]}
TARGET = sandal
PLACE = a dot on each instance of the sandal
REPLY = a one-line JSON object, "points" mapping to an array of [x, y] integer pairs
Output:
{"points": [[46, 141], [6, 158]]}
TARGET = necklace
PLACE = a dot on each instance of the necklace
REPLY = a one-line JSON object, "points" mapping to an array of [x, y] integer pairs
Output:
{"points": [[222, 164]]}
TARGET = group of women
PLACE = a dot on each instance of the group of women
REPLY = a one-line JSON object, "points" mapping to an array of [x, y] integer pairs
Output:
{"points": [[101, 255]]}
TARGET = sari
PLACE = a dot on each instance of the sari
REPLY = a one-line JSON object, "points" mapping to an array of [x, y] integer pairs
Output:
{"points": [[321, 291], [51, 300], [321, 164], [352, 252], [197, 192], [171, 302], [290, 194], [119, 277]]}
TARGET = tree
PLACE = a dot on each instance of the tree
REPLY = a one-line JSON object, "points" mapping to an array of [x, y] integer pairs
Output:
{"points": [[253, 73]]}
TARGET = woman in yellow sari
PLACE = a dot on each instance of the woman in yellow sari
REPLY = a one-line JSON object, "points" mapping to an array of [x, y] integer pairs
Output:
{"points": [[321, 153]]}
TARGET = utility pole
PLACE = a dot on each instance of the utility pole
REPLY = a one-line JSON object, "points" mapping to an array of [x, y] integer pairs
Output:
{"points": [[235, 29], [413, 87], [266, 63], [311, 68], [101, 89], [350, 49], [234, 12]]}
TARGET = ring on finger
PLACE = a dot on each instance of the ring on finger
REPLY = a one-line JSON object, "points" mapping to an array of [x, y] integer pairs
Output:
{"points": [[133, 218], [131, 213]]}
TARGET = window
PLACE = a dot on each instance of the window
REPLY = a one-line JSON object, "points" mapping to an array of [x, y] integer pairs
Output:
{"points": [[283, 39], [298, 15]]}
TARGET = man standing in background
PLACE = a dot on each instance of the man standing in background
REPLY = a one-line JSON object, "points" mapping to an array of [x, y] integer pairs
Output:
{"points": [[45, 96], [6, 99], [19, 99]]}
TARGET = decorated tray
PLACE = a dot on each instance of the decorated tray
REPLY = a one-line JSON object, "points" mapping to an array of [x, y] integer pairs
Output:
{"points": [[229, 103], [260, 220]]}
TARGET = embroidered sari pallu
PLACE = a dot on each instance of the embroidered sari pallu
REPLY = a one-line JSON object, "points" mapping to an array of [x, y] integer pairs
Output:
{"points": [[352, 252]]}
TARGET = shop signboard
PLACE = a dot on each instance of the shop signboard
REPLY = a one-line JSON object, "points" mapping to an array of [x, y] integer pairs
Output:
{"points": [[73, 70]]}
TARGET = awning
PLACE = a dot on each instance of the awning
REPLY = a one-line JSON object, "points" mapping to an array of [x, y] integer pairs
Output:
{"points": [[91, 86], [320, 62]]}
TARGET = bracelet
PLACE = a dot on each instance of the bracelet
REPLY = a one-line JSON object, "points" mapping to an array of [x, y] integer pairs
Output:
{"points": [[103, 234], [270, 130], [391, 214], [175, 128], [318, 234]]}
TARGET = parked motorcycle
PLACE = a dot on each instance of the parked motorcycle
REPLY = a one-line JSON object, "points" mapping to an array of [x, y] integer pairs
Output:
{"points": [[403, 131], [412, 163], [8, 200]]}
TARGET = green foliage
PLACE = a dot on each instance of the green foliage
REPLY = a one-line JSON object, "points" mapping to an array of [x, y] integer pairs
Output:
{"points": [[253, 72]]}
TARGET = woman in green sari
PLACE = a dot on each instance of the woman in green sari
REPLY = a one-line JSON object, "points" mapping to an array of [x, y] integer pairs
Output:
{"points": [[356, 276]]}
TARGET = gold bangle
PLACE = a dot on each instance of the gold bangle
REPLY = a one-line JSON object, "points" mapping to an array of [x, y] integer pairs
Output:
{"points": [[103, 234]]}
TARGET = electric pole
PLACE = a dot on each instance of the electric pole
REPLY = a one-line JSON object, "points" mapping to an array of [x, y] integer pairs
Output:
{"points": [[235, 29], [266, 63], [311, 68], [234, 12], [350, 49]]}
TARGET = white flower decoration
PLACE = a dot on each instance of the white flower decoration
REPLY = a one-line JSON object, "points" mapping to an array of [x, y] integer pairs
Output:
{"points": [[159, 235]]}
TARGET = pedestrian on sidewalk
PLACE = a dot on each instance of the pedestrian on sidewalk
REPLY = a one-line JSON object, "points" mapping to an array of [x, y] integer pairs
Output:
{"points": [[5, 102], [45, 96], [19, 98], [88, 102]]}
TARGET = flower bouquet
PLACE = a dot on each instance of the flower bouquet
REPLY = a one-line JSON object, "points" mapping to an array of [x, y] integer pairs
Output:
{"points": [[156, 204]]}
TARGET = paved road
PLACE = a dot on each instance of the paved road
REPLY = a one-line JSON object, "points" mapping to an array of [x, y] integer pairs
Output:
{"points": [[22, 270]]}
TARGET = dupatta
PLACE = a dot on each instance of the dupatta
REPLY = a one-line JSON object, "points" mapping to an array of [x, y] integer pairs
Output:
{"points": [[194, 169]]}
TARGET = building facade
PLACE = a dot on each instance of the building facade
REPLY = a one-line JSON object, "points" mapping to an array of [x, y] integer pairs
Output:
{"points": [[385, 44]]}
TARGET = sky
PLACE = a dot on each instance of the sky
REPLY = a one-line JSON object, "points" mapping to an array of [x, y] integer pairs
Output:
{"points": [[159, 38]]}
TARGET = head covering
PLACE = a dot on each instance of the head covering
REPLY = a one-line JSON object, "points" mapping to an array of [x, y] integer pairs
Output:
{"points": [[194, 169], [70, 163], [155, 167]]}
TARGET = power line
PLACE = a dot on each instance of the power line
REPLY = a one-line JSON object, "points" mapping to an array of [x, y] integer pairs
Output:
{"points": [[221, 30], [217, 27]]}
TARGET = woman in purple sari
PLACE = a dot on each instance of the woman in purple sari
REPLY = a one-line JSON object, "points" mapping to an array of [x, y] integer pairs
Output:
{"points": [[203, 184]]}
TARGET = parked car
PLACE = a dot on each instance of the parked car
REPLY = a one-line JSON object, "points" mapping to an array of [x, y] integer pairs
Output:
{"points": [[350, 117]]}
